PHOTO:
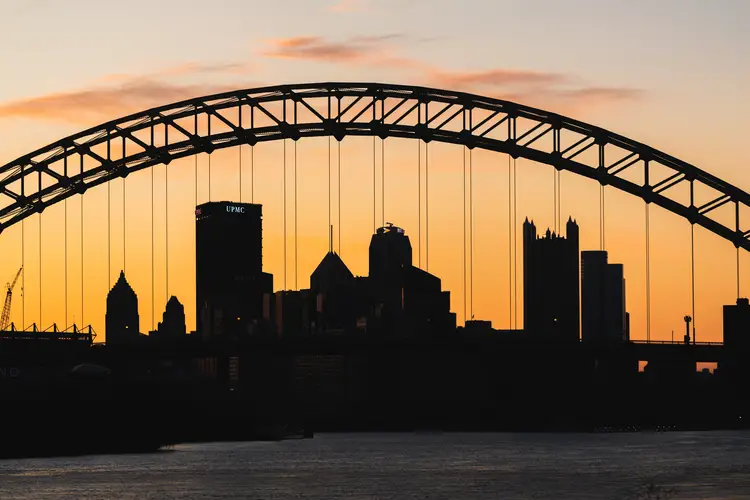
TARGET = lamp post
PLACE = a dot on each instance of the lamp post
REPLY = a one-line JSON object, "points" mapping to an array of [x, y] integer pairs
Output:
{"points": [[687, 319]]}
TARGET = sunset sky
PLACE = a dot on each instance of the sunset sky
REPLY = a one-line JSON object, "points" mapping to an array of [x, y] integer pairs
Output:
{"points": [[673, 74]]}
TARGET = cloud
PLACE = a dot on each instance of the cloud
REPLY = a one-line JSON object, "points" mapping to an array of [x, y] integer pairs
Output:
{"points": [[342, 6], [92, 106], [497, 77], [118, 95], [318, 49]]}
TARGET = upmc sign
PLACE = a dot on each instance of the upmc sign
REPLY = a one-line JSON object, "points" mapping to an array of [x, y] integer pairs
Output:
{"points": [[232, 209]]}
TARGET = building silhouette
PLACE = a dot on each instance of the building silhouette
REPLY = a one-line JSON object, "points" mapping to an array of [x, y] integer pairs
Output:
{"points": [[122, 322], [172, 325], [332, 288], [233, 293], [405, 299], [603, 312], [550, 282]]}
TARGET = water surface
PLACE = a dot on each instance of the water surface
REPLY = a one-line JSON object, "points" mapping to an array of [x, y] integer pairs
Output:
{"points": [[713, 466]]}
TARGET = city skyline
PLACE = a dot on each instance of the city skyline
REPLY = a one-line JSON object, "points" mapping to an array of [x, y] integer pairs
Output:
{"points": [[622, 103]]}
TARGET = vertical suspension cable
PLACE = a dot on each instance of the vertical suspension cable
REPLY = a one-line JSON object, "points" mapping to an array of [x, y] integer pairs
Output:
{"points": [[382, 180], [648, 276], [515, 250], [471, 233], [510, 245], [209, 176], [554, 200], [419, 202], [152, 250], [284, 210], [374, 186], [240, 152], [65, 253], [252, 174], [604, 214], [330, 243], [338, 146], [427, 207], [40, 268], [41, 202], [463, 248], [82, 261], [296, 260], [166, 232], [692, 275], [23, 274], [123, 225]]}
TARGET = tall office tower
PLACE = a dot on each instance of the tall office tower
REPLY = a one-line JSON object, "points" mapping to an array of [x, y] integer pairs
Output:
{"points": [[121, 319], [172, 325], [231, 287], [406, 299], [603, 314], [550, 282], [390, 257]]}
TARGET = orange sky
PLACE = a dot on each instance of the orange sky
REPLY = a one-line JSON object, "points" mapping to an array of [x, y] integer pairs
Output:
{"points": [[38, 106]]}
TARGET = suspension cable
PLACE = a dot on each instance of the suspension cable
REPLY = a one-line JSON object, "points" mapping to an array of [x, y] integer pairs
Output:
{"points": [[554, 200], [374, 186], [239, 112], [166, 231], [152, 249], [40, 268], [284, 211], [471, 232], [23, 275], [252, 174], [338, 146], [65, 253], [515, 249], [208, 119], [692, 275], [559, 200], [463, 250], [510, 245], [427, 207], [296, 260], [419, 203], [82, 260], [382, 180], [648, 276], [330, 243], [123, 225]]}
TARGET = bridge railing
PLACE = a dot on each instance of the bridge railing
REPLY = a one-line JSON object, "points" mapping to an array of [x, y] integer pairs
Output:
{"points": [[674, 342]]}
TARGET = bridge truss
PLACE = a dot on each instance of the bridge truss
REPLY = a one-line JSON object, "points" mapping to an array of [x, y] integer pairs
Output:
{"points": [[74, 164]]}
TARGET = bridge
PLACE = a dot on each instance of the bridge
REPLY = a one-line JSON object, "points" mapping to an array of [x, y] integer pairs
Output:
{"points": [[76, 165]]}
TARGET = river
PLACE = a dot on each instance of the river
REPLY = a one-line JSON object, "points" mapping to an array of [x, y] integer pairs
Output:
{"points": [[705, 465]]}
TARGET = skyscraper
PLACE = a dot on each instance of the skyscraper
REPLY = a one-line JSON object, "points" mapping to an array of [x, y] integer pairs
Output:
{"points": [[172, 325], [550, 282], [122, 322], [603, 314], [230, 282], [407, 300]]}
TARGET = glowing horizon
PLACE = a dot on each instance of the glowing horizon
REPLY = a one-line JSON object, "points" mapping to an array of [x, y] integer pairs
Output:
{"points": [[635, 94]]}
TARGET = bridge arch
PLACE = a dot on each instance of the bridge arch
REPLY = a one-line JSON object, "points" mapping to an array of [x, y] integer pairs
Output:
{"points": [[160, 135]]}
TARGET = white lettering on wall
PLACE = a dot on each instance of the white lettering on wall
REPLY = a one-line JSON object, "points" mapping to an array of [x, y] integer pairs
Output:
{"points": [[235, 210]]}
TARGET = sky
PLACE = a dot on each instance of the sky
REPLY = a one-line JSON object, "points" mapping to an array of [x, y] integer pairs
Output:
{"points": [[673, 74]]}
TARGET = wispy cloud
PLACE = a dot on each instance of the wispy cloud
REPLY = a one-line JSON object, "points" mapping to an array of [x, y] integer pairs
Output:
{"points": [[118, 95], [91, 106], [348, 6], [318, 49]]}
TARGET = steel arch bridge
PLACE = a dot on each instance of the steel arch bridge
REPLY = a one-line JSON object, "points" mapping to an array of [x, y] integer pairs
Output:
{"points": [[160, 135]]}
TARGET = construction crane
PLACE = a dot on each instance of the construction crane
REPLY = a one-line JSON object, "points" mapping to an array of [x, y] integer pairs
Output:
{"points": [[5, 319]]}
